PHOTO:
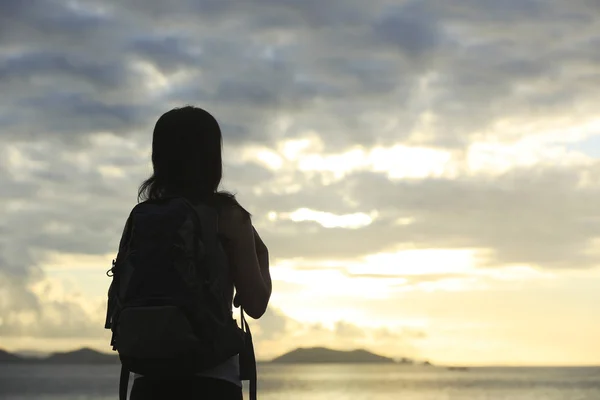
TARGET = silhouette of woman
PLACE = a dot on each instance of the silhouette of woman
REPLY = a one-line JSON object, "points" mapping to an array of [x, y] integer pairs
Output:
{"points": [[187, 162]]}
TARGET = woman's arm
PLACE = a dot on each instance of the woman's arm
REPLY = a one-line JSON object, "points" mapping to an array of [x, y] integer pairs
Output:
{"points": [[262, 254], [252, 290]]}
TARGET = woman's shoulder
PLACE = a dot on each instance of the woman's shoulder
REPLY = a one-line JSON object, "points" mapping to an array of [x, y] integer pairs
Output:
{"points": [[229, 208]]}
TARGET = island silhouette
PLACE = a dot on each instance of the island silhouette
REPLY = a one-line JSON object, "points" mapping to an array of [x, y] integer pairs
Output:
{"points": [[322, 355], [80, 356], [311, 355]]}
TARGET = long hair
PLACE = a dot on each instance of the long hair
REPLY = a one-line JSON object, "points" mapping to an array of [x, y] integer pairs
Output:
{"points": [[186, 158]]}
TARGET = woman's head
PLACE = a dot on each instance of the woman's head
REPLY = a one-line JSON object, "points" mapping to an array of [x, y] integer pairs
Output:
{"points": [[186, 155]]}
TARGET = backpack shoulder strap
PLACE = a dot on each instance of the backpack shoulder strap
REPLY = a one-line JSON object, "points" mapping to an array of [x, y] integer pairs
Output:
{"points": [[248, 358], [123, 383], [208, 219], [126, 236]]}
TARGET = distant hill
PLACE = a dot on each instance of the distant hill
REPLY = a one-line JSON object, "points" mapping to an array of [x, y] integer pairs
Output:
{"points": [[81, 356], [6, 357], [321, 355], [31, 354]]}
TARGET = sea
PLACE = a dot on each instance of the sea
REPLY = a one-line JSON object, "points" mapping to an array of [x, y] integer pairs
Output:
{"points": [[332, 381]]}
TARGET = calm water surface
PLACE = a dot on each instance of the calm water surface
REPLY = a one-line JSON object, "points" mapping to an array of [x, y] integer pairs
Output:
{"points": [[320, 382]]}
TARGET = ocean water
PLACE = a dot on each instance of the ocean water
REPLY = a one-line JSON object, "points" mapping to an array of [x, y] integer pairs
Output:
{"points": [[320, 382]]}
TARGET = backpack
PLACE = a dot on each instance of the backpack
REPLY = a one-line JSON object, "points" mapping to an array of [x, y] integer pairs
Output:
{"points": [[167, 308]]}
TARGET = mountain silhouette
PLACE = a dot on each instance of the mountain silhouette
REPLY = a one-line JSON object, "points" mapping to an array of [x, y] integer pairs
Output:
{"points": [[324, 355], [6, 357], [81, 356]]}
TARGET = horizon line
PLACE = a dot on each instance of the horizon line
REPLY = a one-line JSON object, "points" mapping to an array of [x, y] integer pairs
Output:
{"points": [[398, 360]]}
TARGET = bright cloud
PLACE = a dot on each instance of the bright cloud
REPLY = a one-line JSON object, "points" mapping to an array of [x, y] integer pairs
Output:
{"points": [[401, 162], [325, 219]]}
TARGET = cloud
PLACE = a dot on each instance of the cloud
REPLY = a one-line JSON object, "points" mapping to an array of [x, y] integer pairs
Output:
{"points": [[326, 220], [410, 28], [55, 199], [272, 325], [278, 333], [538, 216], [361, 61], [431, 113], [60, 312]]}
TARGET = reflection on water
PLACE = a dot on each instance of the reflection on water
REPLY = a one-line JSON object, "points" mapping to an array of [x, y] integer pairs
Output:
{"points": [[316, 382]]}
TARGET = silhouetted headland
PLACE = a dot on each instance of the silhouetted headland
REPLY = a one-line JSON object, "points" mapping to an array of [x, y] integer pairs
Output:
{"points": [[6, 357], [318, 355], [81, 356]]}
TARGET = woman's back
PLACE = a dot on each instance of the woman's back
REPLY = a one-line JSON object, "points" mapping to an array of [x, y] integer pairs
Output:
{"points": [[187, 162]]}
